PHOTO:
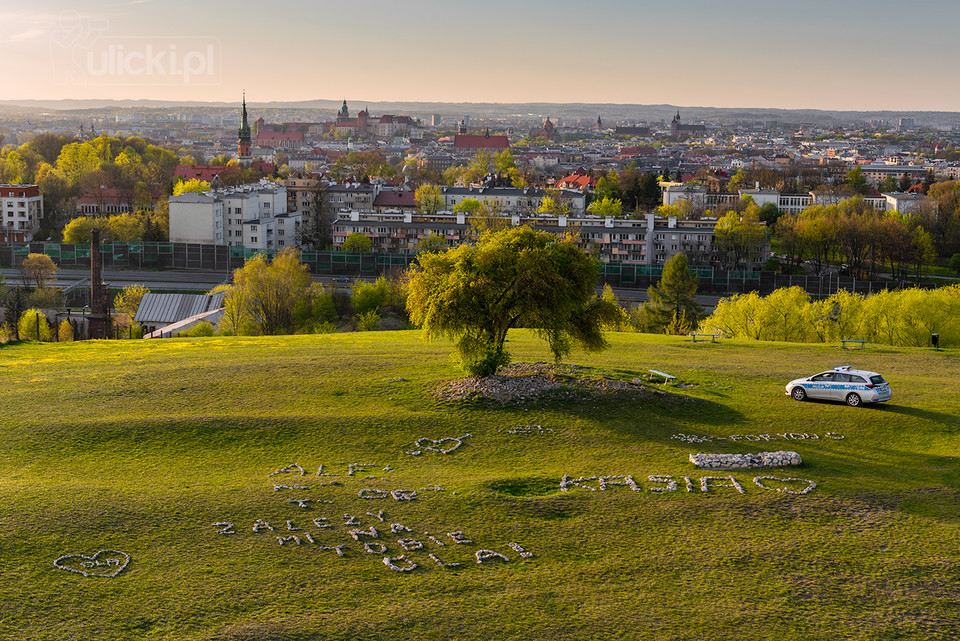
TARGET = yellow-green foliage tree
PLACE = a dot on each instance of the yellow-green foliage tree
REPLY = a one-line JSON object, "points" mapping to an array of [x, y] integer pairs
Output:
{"points": [[143, 225], [65, 331], [192, 185], [40, 267], [265, 294], [30, 320], [473, 294], [128, 300], [905, 317], [606, 207], [553, 204], [429, 199], [357, 242]]}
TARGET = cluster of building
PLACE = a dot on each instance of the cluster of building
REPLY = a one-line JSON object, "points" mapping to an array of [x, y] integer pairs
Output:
{"points": [[269, 215], [701, 198]]}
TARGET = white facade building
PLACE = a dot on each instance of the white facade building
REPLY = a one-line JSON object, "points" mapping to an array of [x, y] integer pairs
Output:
{"points": [[21, 209], [253, 216]]}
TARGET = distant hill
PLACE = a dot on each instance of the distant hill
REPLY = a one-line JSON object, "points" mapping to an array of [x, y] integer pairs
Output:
{"points": [[567, 111]]}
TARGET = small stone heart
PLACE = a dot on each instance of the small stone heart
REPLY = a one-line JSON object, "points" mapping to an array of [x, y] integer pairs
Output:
{"points": [[438, 445], [455, 444], [105, 563]]}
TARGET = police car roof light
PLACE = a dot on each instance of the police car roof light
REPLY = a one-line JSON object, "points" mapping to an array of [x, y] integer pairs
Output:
{"points": [[842, 368]]}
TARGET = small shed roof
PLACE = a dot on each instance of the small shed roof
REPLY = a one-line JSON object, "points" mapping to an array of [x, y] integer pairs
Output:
{"points": [[170, 308]]}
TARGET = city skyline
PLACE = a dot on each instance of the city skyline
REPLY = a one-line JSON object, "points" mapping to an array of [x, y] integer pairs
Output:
{"points": [[854, 55]]}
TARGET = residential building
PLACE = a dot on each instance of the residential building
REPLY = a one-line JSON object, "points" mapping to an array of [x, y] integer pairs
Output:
{"points": [[650, 240], [253, 216], [512, 199], [21, 210]]}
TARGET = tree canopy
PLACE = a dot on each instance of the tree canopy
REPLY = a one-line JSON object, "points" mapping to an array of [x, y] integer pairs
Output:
{"points": [[672, 302], [429, 199], [40, 267], [357, 242], [264, 294], [473, 294]]}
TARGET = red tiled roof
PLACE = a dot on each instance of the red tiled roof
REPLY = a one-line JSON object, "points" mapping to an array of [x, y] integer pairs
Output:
{"points": [[111, 195], [477, 141], [200, 172], [279, 136], [576, 181], [395, 198]]}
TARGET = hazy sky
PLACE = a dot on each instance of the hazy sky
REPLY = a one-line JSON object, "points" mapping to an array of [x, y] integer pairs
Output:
{"points": [[828, 54]]}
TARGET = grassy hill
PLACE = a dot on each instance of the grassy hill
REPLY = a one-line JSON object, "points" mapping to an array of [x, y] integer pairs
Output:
{"points": [[141, 447]]}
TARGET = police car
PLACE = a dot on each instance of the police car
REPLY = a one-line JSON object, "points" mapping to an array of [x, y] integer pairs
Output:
{"points": [[855, 386]]}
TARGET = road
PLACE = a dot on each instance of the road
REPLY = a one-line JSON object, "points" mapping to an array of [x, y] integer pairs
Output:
{"points": [[158, 281]]}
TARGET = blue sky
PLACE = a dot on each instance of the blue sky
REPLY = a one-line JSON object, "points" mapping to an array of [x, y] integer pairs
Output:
{"points": [[839, 54]]}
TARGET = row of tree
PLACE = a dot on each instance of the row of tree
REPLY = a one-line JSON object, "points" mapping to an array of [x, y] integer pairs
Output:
{"points": [[905, 317], [854, 233], [278, 297]]}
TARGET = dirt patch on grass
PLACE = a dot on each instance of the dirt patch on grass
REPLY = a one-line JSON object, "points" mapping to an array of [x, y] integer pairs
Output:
{"points": [[525, 382]]}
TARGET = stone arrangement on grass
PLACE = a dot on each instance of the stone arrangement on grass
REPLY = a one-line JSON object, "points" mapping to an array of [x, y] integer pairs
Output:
{"points": [[667, 483], [103, 564], [444, 445], [779, 458], [779, 436], [358, 536]]}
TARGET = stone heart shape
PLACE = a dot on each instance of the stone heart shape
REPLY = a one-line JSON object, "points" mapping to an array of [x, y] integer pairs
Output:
{"points": [[454, 444], [438, 445], [105, 563]]}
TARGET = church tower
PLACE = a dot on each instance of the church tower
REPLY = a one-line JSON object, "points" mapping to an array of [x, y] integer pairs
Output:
{"points": [[243, 136], [599, 123]]}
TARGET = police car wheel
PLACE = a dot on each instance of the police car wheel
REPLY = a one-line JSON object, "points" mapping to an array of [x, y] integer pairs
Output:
{"points": [[799, 394], [853, 400]]}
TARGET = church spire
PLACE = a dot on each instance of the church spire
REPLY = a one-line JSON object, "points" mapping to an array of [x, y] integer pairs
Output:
{"points": [[243, 134]]}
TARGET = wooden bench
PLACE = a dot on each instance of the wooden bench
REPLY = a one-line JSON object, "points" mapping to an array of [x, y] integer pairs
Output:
{"points": [[852, 343], [704, 337], [666, 377]]}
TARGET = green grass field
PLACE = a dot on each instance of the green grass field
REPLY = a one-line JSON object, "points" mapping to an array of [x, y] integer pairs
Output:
{"points": [[140, 447]]}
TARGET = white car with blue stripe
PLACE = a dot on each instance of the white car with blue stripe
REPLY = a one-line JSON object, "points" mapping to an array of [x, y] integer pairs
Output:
{"points": [[854, 386]]}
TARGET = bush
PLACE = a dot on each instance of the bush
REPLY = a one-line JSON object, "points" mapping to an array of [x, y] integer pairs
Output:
{"points": [[324, 307], [65, 331], [324, 328], [201, 329], [46, 298], [369, 297], [30, 320], [368, 321]]}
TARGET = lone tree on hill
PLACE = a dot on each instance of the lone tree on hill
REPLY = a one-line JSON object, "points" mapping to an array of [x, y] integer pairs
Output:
{"points": [[473, 294]]}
